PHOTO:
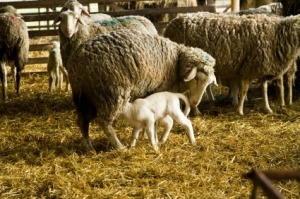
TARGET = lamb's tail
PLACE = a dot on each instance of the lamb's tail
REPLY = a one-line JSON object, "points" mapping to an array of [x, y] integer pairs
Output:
{"points": [[187, 108]]}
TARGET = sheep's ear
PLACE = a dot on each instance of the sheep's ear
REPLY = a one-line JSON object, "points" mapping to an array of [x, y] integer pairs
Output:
{"points": [[63, 9], [80, 20], [85, 12], [57, 19], [191, 75]]}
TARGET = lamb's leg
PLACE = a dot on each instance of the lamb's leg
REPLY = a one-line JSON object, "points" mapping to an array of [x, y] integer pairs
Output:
{"points": [[150, 129], [135, 135], [65, 74], [281, 90], [60, 79], [51, 82], [168, 124], [244, 86], [179, 117], [265, 96], [3, 76]]}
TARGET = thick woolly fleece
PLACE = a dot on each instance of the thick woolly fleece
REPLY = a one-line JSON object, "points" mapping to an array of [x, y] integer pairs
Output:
{"points": [[245, 47]]}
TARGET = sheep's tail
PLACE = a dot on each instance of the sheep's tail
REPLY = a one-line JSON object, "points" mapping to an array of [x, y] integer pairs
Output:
{"points": [[187, 108]]}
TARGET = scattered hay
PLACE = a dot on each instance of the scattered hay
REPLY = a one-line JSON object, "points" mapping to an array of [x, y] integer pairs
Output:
{"points": [[42, 154]]}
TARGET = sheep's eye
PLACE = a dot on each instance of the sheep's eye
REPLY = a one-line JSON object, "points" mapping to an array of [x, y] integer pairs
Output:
{"points": [[196, 78]]}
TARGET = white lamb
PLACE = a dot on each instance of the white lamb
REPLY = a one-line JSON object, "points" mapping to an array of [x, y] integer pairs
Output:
{"points": [[55, 68], [164, 106]]}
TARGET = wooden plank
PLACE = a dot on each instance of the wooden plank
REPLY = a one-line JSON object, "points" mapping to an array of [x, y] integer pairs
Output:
{"points": [[142, 12], [39, 33], [56, 3], [37, 60]]}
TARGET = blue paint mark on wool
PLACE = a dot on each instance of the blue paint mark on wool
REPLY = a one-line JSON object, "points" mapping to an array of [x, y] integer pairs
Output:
{"points": [[113, 22]]}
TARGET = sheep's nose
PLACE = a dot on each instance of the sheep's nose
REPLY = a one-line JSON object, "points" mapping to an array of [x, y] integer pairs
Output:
{"points": [[69, 33]]}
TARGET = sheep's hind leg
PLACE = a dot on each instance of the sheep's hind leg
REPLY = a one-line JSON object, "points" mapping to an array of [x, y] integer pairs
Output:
{"points": [[3, 76], [244, 86], [84, 123], [168, 124]]}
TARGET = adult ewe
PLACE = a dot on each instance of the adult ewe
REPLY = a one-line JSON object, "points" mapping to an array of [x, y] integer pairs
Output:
{"points": [[14, 46], [246, 47], [115, 67]]}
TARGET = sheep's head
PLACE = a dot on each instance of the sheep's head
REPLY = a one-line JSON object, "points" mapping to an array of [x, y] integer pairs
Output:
{"points": [[68, 22], [197, 70], [75, 6]]}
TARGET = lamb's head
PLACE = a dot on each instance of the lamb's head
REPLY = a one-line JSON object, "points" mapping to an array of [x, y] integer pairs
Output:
{"points": [[75, 6], [53, 45], [197, 68], [68, 22]]}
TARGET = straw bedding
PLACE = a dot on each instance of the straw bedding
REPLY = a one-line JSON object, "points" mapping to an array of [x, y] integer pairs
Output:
{"points": [[42, 154]]}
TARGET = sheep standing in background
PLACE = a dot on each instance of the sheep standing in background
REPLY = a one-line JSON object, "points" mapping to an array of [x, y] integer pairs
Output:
{"points": [[14, 46], [142, 113], [119, 66], [246, 47], [57, 73], [73, 30], [246, 4]]}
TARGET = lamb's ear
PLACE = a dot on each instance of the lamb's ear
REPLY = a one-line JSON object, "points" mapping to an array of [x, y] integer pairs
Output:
{"points": [[56, 20], [191, 75]]}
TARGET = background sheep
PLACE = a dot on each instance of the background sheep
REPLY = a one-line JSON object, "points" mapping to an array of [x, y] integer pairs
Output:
{"points": [[55, 68], [73, 30], [14, 46], [164, 106], [115, 67], [251, 46]]}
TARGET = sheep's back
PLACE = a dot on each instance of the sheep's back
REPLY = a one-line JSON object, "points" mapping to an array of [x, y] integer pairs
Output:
{"points": [[14, 39]]}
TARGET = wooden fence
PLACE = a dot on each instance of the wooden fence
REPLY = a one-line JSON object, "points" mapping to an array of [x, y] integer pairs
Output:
{"points": [[39, 15]]}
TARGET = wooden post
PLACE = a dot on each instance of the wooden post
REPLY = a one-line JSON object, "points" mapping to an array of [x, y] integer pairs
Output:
{"points": [[235, 5]]}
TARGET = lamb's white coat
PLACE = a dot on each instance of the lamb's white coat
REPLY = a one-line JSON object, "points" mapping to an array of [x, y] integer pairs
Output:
{"points": [[163, 106]]}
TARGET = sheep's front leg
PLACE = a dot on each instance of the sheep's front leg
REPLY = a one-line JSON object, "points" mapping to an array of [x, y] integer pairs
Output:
{"points": [[244, 85], [265, 96], [281, 90], [112, 137]]}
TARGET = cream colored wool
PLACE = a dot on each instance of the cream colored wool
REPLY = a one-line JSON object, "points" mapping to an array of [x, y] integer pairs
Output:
{"points": [[246, 47]]}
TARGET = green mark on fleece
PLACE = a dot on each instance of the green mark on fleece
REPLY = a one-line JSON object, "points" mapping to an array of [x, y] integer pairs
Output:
{"points": [[113, 23]]}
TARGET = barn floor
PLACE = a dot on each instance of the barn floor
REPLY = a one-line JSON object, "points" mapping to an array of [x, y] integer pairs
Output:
{"points": [[42, 154]]}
